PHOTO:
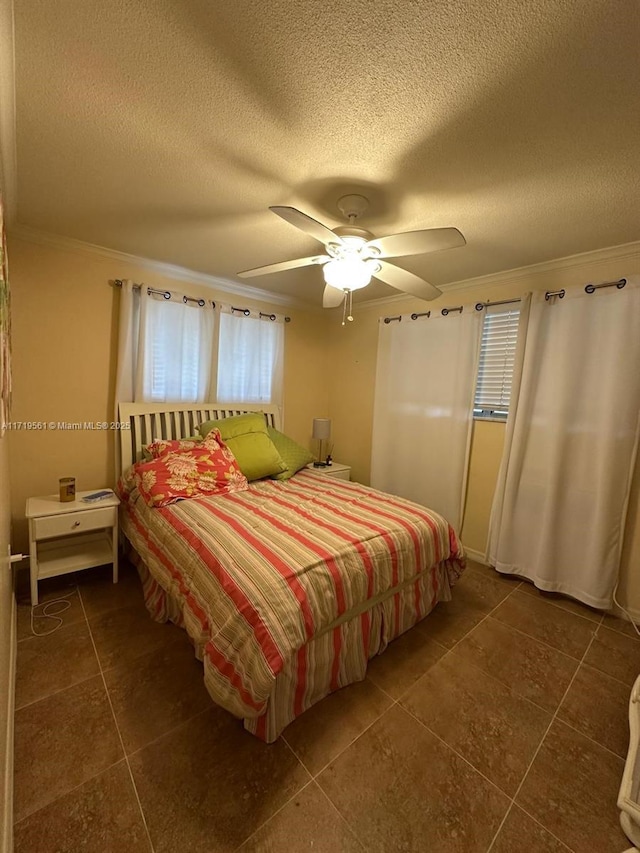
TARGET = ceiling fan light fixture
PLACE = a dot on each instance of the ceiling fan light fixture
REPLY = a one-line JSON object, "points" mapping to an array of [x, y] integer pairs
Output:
{"points": [[347, 273]]}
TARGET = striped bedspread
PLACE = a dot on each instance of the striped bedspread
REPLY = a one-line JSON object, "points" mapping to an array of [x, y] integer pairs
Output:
{"points": [[259, 573]]}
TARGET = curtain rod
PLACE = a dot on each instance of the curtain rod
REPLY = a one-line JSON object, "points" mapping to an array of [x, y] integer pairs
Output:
{"points": [[481, 305], [201, 302], [619, 284], [167, 294], [261, 314], [589, 288], [415, 315]]}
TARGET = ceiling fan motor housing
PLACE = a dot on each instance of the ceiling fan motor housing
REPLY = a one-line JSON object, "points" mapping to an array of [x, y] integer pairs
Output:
{"points": [[352, 231]]}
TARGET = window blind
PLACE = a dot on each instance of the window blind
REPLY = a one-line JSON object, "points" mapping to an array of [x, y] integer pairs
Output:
{"points": [[495, 366]]}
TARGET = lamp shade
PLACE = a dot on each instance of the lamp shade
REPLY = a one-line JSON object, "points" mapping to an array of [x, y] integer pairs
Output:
{"points": [[321, 428]]}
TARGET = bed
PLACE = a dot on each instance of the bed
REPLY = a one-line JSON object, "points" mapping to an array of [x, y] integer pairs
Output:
{"points": [[288, 588]]}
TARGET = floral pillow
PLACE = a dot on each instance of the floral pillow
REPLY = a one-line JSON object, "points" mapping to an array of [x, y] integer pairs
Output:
{"points": [[209, 468], [161, 446]]}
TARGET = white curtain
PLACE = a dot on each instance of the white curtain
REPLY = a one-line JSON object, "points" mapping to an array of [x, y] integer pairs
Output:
{"points": [[250, 359], [560, 505], [165, 348], [128, 338], [423, 409], [175, 351]]}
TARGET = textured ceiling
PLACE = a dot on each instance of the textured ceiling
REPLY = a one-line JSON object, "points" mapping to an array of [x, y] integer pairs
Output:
{"points": [[165, 128]]}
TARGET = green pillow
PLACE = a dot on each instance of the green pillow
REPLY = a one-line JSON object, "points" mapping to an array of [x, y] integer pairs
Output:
{"points": [[293, 454], [235, 426], [247, 438]]}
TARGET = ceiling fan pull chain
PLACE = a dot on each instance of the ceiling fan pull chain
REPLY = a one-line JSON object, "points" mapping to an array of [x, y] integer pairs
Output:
{"points": [[350, 314]]}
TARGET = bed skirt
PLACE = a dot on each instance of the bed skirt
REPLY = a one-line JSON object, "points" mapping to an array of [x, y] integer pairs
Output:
{"points": [[348, 644]]}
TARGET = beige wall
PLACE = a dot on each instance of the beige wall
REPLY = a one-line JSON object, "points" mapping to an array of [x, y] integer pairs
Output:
{"points": [[352, 363], [487, 442], [64, 349]]}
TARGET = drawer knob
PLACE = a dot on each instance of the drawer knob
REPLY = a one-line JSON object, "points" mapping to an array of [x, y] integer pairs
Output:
{"points": [[76, 524]]}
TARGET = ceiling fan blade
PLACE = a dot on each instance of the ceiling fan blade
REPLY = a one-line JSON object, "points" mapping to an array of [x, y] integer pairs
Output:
{"points": [[285, 265], [332, 297], [406, 281], [418, 242], [305, 223]]}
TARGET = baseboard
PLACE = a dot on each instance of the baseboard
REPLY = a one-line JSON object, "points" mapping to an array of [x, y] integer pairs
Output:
{"points": [[8, 709], [478, 556]]}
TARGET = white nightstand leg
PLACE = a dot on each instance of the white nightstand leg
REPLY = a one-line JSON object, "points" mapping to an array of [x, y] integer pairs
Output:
{"points": [[114, 545], [33, 565]]}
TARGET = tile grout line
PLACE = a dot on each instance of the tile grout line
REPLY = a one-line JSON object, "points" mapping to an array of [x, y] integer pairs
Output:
{"points": [[169, 731], [57, 692], [546, 710], [522, 633], [601, 614], [542, 740], [340, 815], [397, 701], [455, 751], [627, 685], [71, 590], [113, 714], [393, 700], [542, 642], [548, 831], [70, 791], [314, 776], [587, 737], [76, 588], [284, 805], [564, 609], [448, 651]]}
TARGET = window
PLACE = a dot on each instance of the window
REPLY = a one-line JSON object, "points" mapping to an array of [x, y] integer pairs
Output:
{"points": [[184, 349], [495, 368], [250, 358], [177, 355]]}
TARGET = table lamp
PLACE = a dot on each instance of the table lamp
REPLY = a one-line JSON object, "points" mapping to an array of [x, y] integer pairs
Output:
{"points": [[321, 431]]}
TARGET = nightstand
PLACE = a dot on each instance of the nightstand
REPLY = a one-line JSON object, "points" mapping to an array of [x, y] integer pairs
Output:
{"points": [[67, 537], [336, 470]]}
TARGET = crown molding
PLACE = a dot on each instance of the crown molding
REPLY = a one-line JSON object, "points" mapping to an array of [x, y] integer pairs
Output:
{"points": [[499, 279], [510, 277], [69, 244], [8, 156]]}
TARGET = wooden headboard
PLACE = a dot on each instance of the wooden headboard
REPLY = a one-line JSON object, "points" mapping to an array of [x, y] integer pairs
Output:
{"points": [[147, 421]]}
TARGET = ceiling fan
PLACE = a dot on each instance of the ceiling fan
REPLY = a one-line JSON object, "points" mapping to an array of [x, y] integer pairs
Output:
{"points": [[353, 255]]}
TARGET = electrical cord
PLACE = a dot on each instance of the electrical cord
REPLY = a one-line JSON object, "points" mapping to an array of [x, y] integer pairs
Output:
{"points": [[47, 613], [624, 610]]}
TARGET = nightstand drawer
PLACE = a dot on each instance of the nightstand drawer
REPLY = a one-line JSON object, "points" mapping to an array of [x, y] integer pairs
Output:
{"points": [[74, 522], [342, 473], [338, 471]]}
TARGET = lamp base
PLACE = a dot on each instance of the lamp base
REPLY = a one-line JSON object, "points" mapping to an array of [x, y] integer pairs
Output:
{"points": [[319, 464]]}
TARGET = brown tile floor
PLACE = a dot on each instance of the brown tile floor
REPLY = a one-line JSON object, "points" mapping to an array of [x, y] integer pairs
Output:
{"points": [[497, 724]]}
